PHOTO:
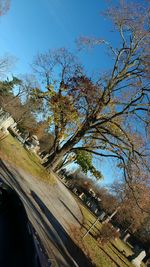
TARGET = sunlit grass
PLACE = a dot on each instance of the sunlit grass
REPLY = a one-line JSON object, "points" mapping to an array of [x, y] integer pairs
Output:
{"points": [[14, 153]]}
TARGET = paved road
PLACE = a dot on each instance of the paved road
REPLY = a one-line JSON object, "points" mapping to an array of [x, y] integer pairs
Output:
{"points": [[51, 210]]}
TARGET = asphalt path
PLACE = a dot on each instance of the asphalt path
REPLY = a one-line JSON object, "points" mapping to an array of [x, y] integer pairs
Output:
{"points": [[51, 210]]}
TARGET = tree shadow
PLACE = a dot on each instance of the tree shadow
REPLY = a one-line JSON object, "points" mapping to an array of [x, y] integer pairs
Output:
{"points": [[72, 248], [48, 231], [59, 237], [70, 211]]}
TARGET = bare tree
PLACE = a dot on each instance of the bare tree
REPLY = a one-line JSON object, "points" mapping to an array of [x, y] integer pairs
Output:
{"points": [[7, 62], [133, 199], [101, 117]]}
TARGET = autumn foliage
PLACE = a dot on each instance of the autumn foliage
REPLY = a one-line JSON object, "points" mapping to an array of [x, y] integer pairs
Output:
{"points": [[101, 116]]}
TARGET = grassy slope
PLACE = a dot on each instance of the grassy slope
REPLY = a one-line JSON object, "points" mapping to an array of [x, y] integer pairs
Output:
{"points": [[14, 153], [113, 254], [102, 255]]}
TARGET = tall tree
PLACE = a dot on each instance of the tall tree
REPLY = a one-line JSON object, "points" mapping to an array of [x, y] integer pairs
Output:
{"points": [[6, 64], [105, 117]]}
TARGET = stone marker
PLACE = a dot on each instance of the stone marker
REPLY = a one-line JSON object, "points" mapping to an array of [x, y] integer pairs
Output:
{"points": [[82, 196], [137, 261], [126, 237], [102, 215]]}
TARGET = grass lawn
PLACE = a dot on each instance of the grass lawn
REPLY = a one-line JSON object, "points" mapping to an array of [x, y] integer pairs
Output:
{"points": [[15, 154], [122, 246], [110, 255]]}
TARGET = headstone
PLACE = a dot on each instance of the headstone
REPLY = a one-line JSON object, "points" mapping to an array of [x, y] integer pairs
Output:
{"points": [[5, 120], [137, 261], [102, 215], [3, 133], [126, 237], [75, 190], [82, 196], [96, 210]]}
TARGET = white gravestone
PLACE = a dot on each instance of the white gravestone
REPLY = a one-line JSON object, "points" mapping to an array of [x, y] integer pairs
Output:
{"points": [[137, 261]]}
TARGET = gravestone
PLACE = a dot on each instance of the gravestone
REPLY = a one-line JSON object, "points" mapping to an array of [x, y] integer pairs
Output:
{"points": [[5, 120], [137, 260], [126, 237], [102, 215], [82, 196]]}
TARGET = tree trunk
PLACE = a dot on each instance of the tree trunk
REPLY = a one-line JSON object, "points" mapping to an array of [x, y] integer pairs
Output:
{"points": [[55, 158]]}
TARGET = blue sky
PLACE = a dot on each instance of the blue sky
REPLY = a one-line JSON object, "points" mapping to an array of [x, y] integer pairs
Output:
{"points": [[33, 26], [37, 25]]}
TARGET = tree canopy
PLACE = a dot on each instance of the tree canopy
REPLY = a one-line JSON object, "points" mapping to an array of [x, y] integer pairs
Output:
{"points": [[107, 117]]}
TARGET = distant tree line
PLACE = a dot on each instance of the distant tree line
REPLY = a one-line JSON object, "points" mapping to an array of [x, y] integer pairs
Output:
{"points": [[131, 216]]}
